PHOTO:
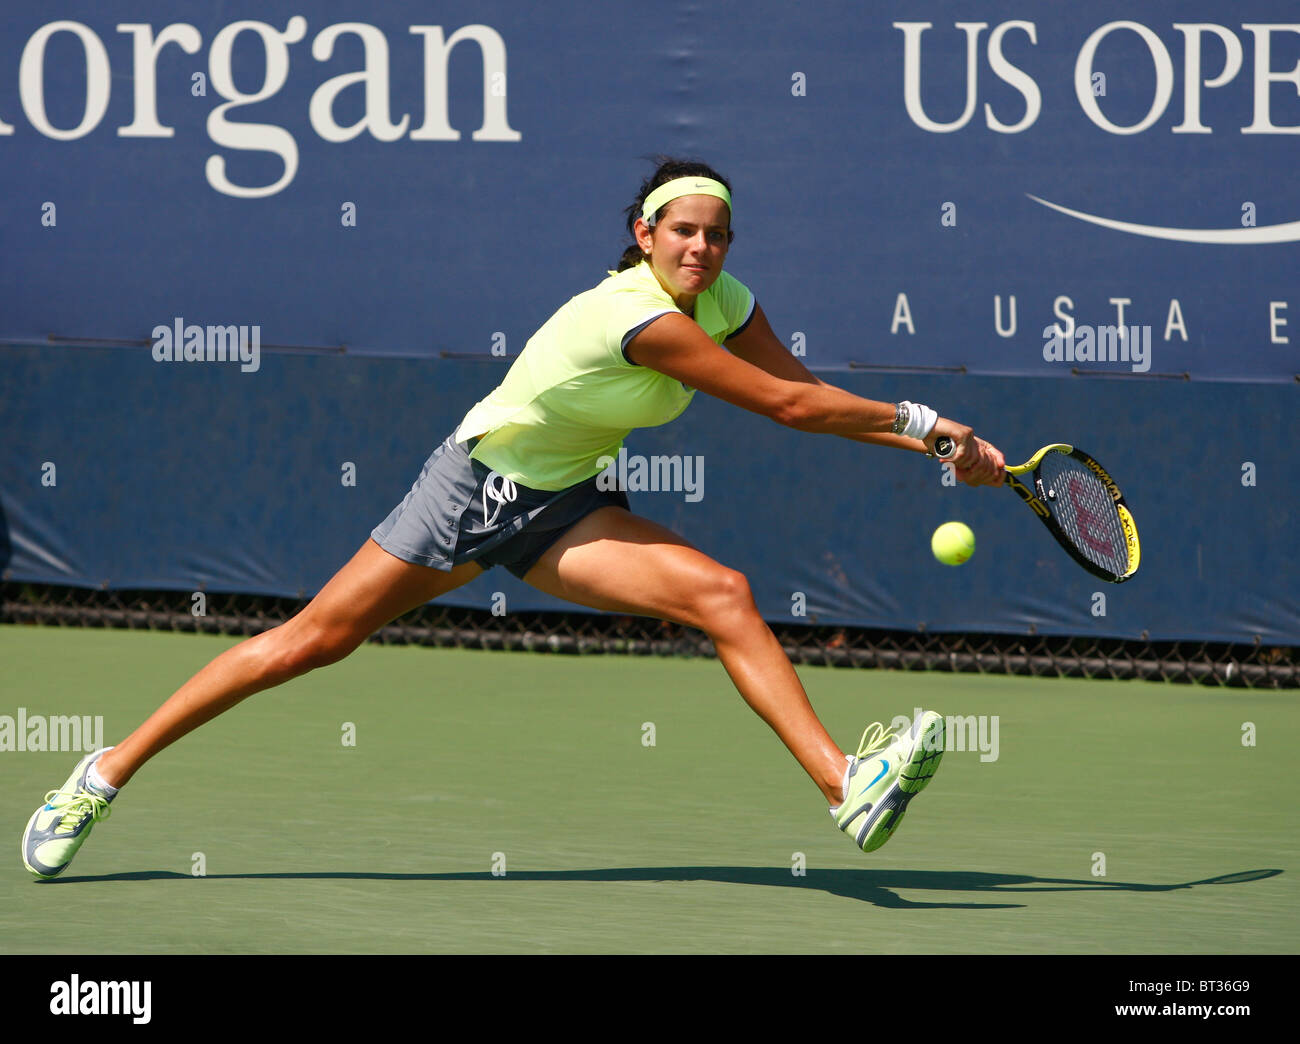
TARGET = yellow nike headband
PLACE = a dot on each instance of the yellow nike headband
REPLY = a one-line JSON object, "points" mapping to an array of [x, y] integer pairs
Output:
{"points": [[689, 186]]}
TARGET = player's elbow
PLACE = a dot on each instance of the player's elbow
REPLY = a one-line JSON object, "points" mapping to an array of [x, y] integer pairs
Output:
{"points": [[793, 407]]}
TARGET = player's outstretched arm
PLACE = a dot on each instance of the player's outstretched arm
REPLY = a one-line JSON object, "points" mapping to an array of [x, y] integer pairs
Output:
{"points": [[676, 346], [758, 345]]}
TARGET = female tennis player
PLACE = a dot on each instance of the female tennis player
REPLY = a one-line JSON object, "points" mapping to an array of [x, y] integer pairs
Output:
{"points": [[516, 485]]}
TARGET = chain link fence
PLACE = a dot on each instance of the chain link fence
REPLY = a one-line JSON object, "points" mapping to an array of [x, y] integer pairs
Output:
{"points": [[1255, 665]]}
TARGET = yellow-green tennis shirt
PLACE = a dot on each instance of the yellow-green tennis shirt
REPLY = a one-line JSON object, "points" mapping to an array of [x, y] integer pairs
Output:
{"points": [[572, 396]]}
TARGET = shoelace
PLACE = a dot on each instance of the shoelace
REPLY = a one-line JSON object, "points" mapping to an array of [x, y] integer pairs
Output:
{"points": [[78, 806], [879, 740]]}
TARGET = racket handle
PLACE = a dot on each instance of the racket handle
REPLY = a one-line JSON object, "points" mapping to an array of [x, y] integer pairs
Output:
{"points": [[944, 447]]}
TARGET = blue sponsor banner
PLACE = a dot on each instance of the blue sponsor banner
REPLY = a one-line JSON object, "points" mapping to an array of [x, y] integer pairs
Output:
{"points": [[988, 190], [244, 245]]}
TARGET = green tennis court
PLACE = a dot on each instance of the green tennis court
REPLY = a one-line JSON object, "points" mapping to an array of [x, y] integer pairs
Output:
{"points": [[514, 802]]}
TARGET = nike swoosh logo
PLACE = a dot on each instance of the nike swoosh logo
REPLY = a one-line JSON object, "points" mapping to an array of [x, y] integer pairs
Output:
{"points": [[1287, 233], [867, 806]]}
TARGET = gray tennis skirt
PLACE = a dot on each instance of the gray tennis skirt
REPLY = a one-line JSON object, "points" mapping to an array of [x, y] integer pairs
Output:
{"points": [[460, 510]]}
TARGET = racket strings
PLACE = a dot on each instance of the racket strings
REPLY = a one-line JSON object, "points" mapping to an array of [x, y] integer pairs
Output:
{"points": [[1084, 509]]}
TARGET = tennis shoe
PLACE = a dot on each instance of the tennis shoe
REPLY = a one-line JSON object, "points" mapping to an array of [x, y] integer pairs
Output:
{"points": [[887, 772], [60, 826]]}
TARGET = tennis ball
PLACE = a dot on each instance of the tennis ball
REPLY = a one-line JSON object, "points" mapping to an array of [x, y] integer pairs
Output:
{"points": [[953, 543]]}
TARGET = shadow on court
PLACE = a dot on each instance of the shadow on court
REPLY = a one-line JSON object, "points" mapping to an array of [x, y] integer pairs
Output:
{"points": [[877, 887]]}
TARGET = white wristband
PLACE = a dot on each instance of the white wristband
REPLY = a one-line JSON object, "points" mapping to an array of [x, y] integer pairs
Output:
{"points": [[921, 422]]}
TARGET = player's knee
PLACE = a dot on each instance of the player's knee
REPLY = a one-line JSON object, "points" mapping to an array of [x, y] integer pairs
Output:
{"points": [[305, 649], [726, 594]]}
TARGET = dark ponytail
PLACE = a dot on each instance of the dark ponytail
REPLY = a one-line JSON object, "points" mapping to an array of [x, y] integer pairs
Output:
{"points": [[669, 169]]}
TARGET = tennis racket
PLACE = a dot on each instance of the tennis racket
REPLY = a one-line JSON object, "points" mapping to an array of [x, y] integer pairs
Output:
{"points": [[1079, 503]]}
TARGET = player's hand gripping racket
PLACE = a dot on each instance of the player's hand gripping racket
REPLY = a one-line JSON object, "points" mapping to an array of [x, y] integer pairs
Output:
{"points": [[1079, 503]]}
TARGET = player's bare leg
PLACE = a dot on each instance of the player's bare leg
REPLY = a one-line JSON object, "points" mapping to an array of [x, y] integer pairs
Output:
{"points": [[620, 562], [373, 589]]}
